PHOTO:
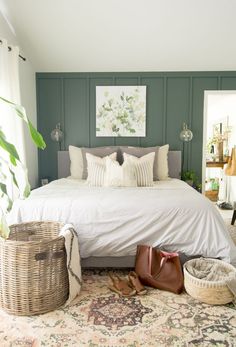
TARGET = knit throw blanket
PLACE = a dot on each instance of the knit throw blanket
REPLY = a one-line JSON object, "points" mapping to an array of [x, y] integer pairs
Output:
{"points": [[213, 272]]}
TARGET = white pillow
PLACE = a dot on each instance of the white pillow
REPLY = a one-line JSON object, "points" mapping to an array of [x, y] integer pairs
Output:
{"points": [[143, 168], [120, 175], [162, 163], [76, 162], [97, 169]]}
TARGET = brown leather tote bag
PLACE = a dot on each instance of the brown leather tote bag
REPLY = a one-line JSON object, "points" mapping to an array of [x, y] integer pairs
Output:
{"points": [[159, 269]]}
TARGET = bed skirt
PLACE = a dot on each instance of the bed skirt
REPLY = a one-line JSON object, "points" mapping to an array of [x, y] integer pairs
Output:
{"points": [[120, 262]]}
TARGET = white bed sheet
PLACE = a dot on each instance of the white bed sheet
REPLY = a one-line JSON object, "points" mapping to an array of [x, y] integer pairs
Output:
{"points": [[112, 221]]}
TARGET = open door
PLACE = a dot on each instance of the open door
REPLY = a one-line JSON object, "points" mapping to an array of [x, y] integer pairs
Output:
{"points": [[219, 138]]}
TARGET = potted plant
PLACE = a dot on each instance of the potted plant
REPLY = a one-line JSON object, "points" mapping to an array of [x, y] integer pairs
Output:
{"points": [[12, 162], [189, 177], [22, 252]]}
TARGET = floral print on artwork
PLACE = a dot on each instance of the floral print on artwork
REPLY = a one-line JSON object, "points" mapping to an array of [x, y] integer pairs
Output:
{"points": [[121, 111]]}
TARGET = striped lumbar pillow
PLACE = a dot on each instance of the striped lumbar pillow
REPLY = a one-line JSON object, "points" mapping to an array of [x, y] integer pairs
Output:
{"points": [[97, 169], [143, 168]]}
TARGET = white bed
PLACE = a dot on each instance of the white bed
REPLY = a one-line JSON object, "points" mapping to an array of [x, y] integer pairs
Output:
{"points": [[111, 221]]}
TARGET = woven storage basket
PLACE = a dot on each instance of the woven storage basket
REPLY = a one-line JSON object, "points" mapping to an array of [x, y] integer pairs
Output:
{"points": [[209, 292], [33, 270]]}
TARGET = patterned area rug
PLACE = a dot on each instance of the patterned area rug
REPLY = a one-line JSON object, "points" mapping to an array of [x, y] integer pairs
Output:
{"points": [[101, 318]]}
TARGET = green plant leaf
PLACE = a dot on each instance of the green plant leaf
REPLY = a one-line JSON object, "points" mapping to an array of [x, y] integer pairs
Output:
{"points": [[189, 175], [3, 188], [36, 136], [27, 190], [9, 147], [14, 178], [5, 231], [14, 160], [10, 204], [20, 111]]}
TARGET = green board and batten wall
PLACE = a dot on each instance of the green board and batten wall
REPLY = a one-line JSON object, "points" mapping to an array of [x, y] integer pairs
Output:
{"points": [[172, 98]]}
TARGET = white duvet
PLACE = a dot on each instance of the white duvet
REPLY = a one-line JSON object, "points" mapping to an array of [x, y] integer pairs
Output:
{"points": [[112, 221]]}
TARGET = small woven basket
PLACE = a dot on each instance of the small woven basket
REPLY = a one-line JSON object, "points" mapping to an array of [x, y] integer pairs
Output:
{"points": [[209, 292], [33, 270]]}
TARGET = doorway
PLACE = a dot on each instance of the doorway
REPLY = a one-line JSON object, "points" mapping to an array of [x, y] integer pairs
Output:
{"points": [[219, 138]]}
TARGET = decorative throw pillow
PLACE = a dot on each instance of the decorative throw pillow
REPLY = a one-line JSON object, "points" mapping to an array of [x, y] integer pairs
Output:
{"points": [[98, 152], [120, 175], [97, 169], [143, 168], [76, 162], [160, 166], [140, 152], [162, 163]]}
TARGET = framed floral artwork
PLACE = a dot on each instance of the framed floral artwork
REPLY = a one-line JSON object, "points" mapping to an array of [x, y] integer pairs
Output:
{"points": [[121, 111]]}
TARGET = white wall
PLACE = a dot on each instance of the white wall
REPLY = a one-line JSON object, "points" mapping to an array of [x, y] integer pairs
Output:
{"points": [[28, 99]]}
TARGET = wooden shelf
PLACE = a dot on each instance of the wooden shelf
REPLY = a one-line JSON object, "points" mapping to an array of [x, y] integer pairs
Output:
{"points": [[219, 164]]}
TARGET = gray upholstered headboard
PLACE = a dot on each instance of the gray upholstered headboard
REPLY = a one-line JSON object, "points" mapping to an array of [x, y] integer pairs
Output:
{"points": [[174, 160]]}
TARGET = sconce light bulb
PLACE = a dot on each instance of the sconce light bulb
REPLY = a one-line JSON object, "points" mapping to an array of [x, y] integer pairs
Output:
{"points": [[57, 134], [186, 134]]}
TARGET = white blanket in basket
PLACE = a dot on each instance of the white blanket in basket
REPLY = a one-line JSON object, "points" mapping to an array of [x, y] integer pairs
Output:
{"points": [[73, 261], [213, 272]]}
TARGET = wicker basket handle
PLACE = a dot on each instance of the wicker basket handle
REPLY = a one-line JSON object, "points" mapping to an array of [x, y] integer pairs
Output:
{"points": [[49, 255]]}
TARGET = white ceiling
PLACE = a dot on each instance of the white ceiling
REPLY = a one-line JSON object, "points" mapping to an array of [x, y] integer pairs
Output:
{"points": [[125, 35]]}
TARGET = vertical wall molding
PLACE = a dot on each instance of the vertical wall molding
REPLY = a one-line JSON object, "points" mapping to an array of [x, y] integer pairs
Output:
{"points": [[190, 115], [88, 108], [139, 83], [62, 115], [164, 117], [38, 125], [172, 97], [219, 83]]}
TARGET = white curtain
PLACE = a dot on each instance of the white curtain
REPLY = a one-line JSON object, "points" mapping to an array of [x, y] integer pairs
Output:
{"points": [[10, 89]]}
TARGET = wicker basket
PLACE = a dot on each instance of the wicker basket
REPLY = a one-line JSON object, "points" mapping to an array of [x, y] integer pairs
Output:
{"points": [[33, 271], [209, 292]]}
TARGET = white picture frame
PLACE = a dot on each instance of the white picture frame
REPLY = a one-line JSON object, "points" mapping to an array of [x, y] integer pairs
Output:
{"points": [[120, 111]]}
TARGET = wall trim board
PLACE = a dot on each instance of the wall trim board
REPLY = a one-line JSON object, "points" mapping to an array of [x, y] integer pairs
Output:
{"points": [[164, 109], [62, 114], [199, 74], [190, 115], [172, 98]]}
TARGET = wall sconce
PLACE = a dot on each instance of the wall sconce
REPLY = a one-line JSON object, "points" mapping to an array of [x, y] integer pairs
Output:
{"points": [[185, 135], [57, 135]]}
